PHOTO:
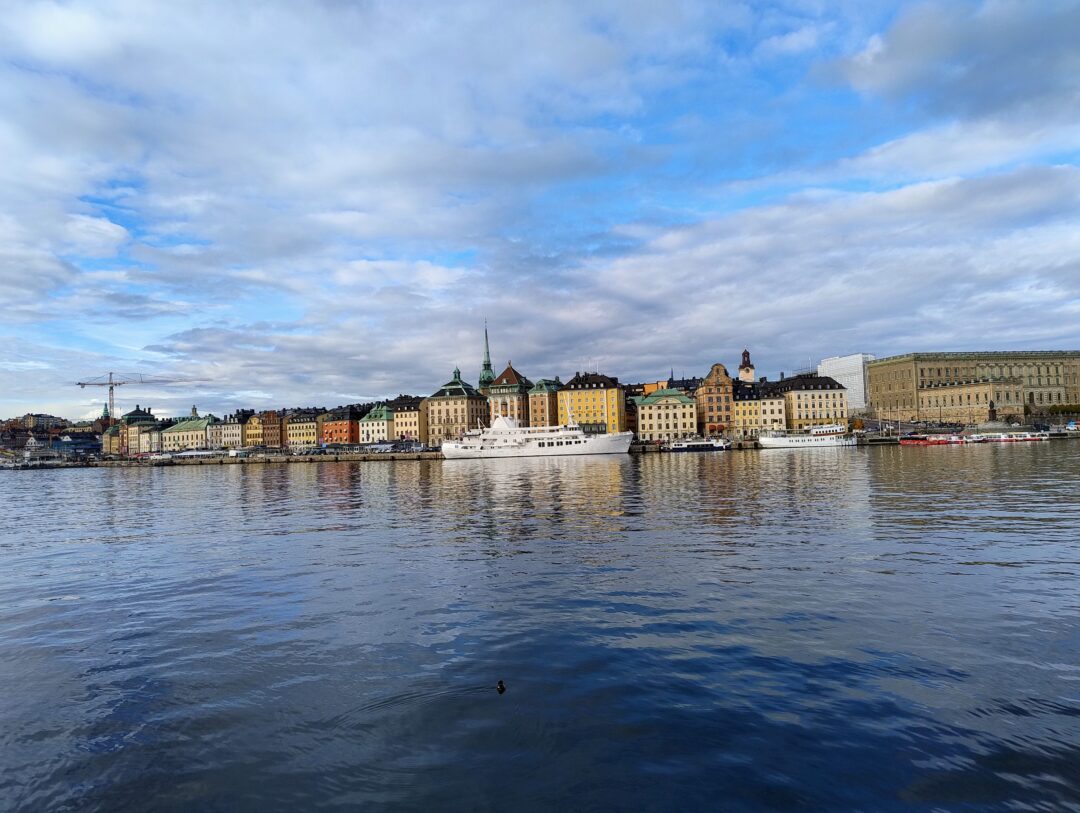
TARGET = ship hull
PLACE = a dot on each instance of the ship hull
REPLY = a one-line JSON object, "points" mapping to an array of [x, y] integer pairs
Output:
{"points": [[593, 444], [806, 441]]}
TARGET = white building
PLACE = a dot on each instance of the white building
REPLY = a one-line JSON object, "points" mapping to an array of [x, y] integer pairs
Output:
{"points": [[851, 372]]}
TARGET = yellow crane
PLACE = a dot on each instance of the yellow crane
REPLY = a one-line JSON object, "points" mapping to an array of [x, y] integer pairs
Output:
{"points": [[114, 380]]}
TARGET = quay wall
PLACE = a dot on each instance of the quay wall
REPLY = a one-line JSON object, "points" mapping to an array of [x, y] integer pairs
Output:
{"points": [[740, 445]]}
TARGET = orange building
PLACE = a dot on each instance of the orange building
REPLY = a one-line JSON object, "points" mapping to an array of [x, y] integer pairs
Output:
{"points": [[341, 425]]}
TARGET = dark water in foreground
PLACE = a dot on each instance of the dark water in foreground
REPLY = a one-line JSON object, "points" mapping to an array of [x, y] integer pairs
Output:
{"points": [[877, 630]]}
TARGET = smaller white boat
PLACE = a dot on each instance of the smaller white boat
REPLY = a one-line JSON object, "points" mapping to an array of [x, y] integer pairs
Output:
{"points": [[1010, 437], [698, 445], [833, 434]]}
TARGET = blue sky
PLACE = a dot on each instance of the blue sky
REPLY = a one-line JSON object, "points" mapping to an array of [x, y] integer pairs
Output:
{"points": [[309, 204]]}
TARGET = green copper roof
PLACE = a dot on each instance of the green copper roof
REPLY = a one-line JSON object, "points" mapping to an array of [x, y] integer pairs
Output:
{"points": [[191, 425], [663, 395], [378, 414], [545, 385], [456, 388]]}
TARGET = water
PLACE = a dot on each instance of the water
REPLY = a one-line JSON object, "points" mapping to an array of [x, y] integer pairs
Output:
{"points": [[834, 629]]}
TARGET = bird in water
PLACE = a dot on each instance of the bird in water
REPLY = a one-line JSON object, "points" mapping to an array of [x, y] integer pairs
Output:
{"points": [[500, 687]]}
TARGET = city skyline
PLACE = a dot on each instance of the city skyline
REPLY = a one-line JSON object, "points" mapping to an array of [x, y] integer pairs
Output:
{"points": [[323, 205]]}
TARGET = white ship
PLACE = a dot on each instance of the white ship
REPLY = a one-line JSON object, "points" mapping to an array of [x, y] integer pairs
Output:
{"points": [[506, 438], [833, 434], [699, 445]]}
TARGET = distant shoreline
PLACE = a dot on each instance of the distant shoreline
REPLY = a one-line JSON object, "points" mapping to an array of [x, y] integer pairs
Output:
{"points": [[365, 457]]}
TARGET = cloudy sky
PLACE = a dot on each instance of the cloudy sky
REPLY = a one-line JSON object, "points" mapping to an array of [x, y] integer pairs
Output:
{"points": [[315, 203]]}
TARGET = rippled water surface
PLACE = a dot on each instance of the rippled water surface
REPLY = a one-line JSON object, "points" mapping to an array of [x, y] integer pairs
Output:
{"points": [[835, 629]]}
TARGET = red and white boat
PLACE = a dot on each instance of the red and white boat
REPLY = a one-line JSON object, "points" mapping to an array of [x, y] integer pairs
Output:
{"points": [[935, 440]]}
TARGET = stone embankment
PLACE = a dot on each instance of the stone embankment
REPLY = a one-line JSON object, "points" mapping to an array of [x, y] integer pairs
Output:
{"points": [[364, 457]]}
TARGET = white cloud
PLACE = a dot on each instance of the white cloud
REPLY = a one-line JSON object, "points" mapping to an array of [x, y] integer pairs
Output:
{"points": [[343, 192]]}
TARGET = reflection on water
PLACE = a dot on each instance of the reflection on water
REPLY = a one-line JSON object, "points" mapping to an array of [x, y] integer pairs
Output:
{"points": [[829, 629]]}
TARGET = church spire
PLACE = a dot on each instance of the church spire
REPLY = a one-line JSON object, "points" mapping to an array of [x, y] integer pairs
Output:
{"points": [[487, 374]]}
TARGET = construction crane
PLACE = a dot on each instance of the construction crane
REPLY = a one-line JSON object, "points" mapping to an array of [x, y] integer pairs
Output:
{"points": [[114, 380]]}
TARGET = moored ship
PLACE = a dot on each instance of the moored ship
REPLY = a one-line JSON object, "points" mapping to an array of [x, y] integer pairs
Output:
{"points": [[937, 440], [833, 434], [698, 445], [1010, 437], [505, 438]]}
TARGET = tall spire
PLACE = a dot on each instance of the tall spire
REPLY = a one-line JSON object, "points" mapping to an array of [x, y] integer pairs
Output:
{"points": [[487, 374]]}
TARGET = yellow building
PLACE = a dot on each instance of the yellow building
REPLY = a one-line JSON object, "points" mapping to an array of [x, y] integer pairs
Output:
{"points": [[253, 431], [972, 401], [455, 408], [665, 415], [110, 440], [714, 402], [895, 385], [410, 418], [302, 429], [544, 402], [809, 400], [756, 410], [595, 402], [186, 435]]}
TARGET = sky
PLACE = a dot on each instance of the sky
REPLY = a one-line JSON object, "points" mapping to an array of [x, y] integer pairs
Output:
{"points": [[283, 204]]}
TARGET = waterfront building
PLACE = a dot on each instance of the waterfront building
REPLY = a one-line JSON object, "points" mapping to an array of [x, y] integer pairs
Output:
{"points": [[809, 400], [378, 425], [273, 434], [897, 384], [253, 430], [110, 440], [756, 410], [973, 401], [231, 429], [851, 372], [666, 414], [131, 424], [154, 435], [213, 435], [150, 437], [301, 428], [136, 438], [342, 425], [410, 418], [544, 402], [746, 368], [455, 408], [508, 395], [187, 434], [713, 398], [487, 373], [595, 402]]}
